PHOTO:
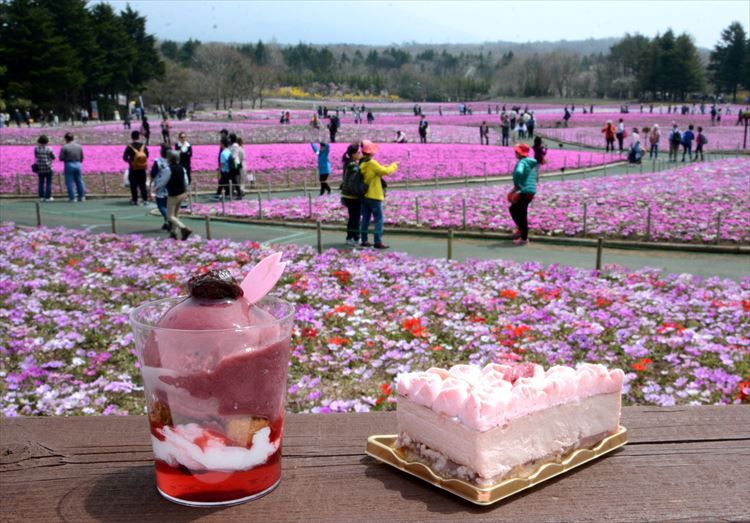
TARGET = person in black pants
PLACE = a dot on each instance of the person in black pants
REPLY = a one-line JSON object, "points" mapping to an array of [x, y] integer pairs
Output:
{"points": [[186, 154], [423, 125], [351, 201], [136, 155]]}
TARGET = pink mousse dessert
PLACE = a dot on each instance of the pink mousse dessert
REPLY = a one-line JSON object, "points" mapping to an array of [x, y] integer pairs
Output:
{"points": [[485, 425], [215, 371]]}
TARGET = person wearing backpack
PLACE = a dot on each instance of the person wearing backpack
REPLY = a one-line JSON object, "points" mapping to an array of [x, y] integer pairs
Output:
{"points": [[324, 166], [372, 201], [687, 143], [176, 186], [675, 139], [159, 177], [353, 188], [136, 156], [700, 141]]}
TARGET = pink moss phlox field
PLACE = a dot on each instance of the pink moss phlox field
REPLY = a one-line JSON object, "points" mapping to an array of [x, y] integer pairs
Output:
{"points": [[684, 204], [67, 347], [295, 162]]}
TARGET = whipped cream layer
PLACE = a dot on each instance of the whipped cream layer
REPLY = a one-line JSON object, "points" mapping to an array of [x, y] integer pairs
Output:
{"points": [[484, 398], [199, 450]]}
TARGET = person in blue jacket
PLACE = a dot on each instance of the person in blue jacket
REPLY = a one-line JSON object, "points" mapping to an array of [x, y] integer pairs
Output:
{"points": [[687, 142], [324, 166]]}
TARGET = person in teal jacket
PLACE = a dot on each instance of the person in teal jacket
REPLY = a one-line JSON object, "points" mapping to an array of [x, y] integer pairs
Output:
{"points": [[324, 166], [524, 189]]}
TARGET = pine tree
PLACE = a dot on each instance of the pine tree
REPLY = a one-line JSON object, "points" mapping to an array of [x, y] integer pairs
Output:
{"points": [[727, 59]]}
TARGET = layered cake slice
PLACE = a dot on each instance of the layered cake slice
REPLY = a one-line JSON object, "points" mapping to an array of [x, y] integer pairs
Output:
{"points": [[485, 425]]}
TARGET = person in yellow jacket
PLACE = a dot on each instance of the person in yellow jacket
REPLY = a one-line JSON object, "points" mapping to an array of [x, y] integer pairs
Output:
{"points": [[372, 201]]}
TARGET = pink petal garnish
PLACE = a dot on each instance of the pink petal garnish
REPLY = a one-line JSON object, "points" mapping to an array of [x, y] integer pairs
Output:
{"points": [[261, 279]]}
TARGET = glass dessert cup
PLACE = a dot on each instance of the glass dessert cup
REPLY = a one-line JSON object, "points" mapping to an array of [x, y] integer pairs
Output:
{"points": [[215, 398]]}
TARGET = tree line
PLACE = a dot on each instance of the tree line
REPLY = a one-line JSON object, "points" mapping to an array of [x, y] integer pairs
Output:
{"points": [[61, 55], [667, 67]]}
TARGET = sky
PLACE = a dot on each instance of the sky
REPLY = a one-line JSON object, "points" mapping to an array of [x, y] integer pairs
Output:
{"points": [[371, 22]]}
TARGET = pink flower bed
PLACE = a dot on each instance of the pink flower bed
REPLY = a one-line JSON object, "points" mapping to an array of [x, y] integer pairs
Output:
{"points": [[278, 163], [684, 204]]}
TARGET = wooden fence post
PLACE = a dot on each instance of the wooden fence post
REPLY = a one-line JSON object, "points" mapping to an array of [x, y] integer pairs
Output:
{"points": [[463, 212], [309, 206], [260, 206], [113, 219], [319, 233], [208, 227], [599, 248], [38, 214], [648, 224], [416, 209], [450, 244]]}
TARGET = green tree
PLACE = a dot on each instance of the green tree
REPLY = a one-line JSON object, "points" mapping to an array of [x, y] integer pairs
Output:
{"points": [[728, 58], [41, 64], [148, 64], [170, 49]]}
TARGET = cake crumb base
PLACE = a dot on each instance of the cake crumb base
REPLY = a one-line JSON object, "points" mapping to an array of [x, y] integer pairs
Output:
{"points": [[444, 467]]}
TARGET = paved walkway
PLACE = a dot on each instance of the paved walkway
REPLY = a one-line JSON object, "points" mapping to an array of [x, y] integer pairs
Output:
{"points": [[94, 215]]}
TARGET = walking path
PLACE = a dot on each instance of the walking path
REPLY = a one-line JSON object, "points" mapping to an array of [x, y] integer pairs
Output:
{"points": [[95, 216]]}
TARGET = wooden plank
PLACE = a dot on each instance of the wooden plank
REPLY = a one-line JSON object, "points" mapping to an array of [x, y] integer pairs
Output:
{"points": [[685, 464]]}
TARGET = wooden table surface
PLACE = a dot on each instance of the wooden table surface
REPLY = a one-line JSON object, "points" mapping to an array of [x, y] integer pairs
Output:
{"points": [[686, 464]]}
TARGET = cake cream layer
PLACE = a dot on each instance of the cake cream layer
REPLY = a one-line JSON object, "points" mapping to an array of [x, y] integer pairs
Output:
{"points": [[492, 454]]}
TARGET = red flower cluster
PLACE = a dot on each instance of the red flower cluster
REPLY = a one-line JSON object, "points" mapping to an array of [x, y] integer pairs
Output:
{"points": [[346, 309], [666, 326], [414, 326], [309, 332], [743, 390], [344, 277], [386, 390], [509, 294], [642, 364]]}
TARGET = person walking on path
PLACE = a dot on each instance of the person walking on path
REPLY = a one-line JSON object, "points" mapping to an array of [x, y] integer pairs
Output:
{"points": [[159, 177], [634, 152], [176, 194], [333, 127], [146, 129], [530, 124], [166, 128], [505, 129], [524, 189], [352, 190], [653, 138], [687, 143], [700, 141], [675, 139], [372, 202], [136, 156], [324, 166], [620, 134], [235, 166], [609, 136], [540, 151], [225, 159], [423, 125], [186, 155], [71, 155], [566, 117], [484, 133], [43, 158]]}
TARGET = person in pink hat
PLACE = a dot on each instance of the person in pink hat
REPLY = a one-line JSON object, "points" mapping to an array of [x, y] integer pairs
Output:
{"points": [[372, 201], [524, 189]]}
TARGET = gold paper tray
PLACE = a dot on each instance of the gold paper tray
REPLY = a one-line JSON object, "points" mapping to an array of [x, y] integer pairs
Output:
{"points": [[382, 448]]}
